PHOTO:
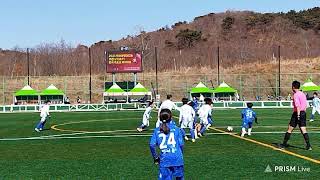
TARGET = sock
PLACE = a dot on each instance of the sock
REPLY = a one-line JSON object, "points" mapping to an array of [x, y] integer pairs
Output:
{"points": [[306, 139], [195, 134], [143, 126], [39, 125], [312, 116], [286, 138], [192, 133], [249, 131], [195, 118], [203, 129], [243, 132], [183, 132], [42, 124]]}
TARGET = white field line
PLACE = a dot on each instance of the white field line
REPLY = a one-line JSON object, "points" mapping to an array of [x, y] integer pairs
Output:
{"points": [[267, 126], [52, 137]]}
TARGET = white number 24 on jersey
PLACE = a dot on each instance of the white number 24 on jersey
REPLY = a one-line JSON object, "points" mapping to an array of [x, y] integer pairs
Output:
{"points": [[249, 114], [171, 140]]}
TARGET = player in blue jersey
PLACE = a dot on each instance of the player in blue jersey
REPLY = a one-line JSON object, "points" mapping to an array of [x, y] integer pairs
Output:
{"points": [[195, 104], [248, 115], [146, 117], [168, 137]]}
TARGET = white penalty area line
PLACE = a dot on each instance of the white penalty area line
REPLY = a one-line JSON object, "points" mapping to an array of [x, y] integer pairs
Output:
{"points": [[126, 135]]}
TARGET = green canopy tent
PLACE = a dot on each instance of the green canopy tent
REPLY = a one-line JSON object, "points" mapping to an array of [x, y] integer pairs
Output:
{"points": [[52, 93], [139, 93], [115, 94], [26, 95], [224, 91], [309, 86], [201, 89]]}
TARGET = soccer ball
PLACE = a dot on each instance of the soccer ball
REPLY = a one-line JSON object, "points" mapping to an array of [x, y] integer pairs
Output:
{"points": [[230, 128]]}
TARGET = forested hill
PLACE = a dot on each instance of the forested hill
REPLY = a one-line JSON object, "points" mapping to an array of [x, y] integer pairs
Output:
{"points": [[243, 37]]}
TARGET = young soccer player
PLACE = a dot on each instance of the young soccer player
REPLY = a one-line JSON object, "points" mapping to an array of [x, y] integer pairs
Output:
{"points": [[315, 105], [166, 104], [247, 116], [195, 104], [298, 116], [186, 119], [205, 116], [146, 117], [44, 114], [169, 139]]}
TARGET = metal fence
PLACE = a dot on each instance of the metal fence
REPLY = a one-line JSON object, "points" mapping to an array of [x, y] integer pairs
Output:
{"points": [[176, 83]]}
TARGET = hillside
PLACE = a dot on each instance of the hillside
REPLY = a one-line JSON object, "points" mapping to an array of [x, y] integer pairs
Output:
{"points": [[250, 79], [243, 37]]}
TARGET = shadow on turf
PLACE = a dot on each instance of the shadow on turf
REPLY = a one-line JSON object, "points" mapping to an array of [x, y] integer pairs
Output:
{"points": [[289, 146]]}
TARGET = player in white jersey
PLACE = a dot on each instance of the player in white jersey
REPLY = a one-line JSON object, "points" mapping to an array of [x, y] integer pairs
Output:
{"points": [[315, 106], [146, 117], [44, 114], [166, 104], [186, 119], [205, 116]]}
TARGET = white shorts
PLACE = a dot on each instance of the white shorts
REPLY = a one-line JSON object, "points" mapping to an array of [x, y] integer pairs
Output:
{"points": [[204, 121], [187, 124], [314, 110], [145, 121]]}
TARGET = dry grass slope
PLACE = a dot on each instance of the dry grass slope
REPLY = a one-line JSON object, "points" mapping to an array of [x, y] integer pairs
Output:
{"points": [[250, 79]]}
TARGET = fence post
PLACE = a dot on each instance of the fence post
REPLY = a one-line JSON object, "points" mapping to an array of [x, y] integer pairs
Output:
{"points": [[258, 84], [3, 89], [169, 84], [277, 88], [64, 85], [240, 86]]}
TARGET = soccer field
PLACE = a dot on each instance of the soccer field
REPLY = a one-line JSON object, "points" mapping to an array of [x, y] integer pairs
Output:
{"points": [[105, 145]]}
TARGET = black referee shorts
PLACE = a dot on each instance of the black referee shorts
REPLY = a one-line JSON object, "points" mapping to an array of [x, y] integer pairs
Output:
{"points": [[295, 121]]}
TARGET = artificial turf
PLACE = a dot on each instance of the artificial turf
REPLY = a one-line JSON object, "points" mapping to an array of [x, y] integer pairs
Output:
{"points": [[105, 145]]}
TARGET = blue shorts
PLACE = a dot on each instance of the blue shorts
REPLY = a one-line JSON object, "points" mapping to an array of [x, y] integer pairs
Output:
{"points": [[167, 173], [247, 124]]}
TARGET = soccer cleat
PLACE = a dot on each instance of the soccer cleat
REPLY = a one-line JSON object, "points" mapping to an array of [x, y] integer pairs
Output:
{"points": [[36, 129], [309, 148], [139, 129], [283, 146], [199, 135], [193, 140], [243, 133], [249, 134], [186, 138], [311, 120], [40, 129]]}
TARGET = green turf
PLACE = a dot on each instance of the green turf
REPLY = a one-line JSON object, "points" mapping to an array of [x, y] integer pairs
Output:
{"points": [[102, 154]]}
